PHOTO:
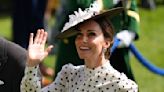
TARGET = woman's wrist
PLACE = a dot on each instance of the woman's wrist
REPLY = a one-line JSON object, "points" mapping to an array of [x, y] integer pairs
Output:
{"points": [[31, 63]]}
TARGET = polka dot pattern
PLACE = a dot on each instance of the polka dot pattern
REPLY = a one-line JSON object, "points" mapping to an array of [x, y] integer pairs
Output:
{"points": [[80, 79]]}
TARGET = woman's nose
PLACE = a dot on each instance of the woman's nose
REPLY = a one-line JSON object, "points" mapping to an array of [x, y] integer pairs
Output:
{"points": [[85, 39]]}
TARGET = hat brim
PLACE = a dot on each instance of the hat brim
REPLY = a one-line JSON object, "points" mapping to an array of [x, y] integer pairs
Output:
{"points": [[108, 13]]}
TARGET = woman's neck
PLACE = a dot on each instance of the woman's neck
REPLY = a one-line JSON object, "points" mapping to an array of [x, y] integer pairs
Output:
{"points": [[95, 62]]}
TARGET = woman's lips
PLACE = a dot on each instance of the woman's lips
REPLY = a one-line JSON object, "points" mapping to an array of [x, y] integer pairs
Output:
{"points": [[84, 48]]}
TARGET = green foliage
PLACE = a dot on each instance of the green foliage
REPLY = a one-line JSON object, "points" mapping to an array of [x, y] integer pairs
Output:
{"points": [[151, 46], [5, 27]]}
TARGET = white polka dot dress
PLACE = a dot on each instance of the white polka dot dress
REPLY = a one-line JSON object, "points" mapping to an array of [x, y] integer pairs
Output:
{"points": [[80, 79]]}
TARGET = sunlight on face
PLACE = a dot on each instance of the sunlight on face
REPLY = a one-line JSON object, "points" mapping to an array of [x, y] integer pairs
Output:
{"points": [[90, 40]]}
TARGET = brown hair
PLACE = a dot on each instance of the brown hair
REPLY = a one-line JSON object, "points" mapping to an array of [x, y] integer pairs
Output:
{"points": [[108, 32]]}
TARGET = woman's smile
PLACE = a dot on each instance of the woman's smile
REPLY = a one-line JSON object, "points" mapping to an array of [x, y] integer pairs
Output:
{"points": [[84, 50]]}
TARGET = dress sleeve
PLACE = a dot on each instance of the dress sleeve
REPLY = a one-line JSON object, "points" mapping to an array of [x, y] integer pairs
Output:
{"points": [[61, 82], [31, 81], [126, 85]]}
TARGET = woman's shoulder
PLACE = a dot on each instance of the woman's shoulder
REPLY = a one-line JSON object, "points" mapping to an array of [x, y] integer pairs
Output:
{"points": [[121, 81]]}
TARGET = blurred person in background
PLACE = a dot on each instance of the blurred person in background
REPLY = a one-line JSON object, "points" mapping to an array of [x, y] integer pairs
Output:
{"points": [[28, 16], [12, 65], [52, 6], [148, 4]]}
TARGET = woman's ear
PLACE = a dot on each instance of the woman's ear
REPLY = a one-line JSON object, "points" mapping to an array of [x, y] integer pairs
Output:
{"points": [[107, 43]]}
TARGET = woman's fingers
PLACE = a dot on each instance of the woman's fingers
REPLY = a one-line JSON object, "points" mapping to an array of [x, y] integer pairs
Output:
{"points": [[48, 49], [41, 37], [37, 51], [36, 40], [44, 38], [31, 39]]}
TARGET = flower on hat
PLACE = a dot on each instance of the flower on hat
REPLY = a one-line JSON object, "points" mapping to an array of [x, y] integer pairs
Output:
{"points": [[80, 16]]}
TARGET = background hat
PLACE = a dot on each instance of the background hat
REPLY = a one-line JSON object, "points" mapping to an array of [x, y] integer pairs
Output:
{"points": [[93, 12]]}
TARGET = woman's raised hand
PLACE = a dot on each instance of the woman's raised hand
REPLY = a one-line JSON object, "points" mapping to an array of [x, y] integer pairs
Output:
{"points": [[36, 48]]}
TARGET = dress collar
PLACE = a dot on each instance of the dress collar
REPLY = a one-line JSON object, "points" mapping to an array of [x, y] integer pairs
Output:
{"points": [[91, 72]]}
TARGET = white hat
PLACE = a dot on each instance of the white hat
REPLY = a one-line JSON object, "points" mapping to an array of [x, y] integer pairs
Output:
{"points": [[93, 12]]}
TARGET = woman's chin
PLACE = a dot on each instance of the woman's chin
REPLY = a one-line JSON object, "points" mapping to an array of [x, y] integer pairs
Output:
{"points": [[83, 56]]}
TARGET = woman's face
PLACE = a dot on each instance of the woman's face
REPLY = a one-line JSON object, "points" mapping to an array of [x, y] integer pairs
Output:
{"points": [[90, 40]]}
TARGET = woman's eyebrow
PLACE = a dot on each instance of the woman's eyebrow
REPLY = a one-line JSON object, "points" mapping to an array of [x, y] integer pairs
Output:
{"points": [[90, 30]]}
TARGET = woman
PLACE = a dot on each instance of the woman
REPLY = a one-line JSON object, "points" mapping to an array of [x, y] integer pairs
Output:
{"points": [[94, 37]]}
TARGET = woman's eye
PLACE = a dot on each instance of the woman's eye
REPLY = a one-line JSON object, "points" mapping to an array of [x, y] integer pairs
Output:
{"points": [[78, 35], [92, 34]]}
